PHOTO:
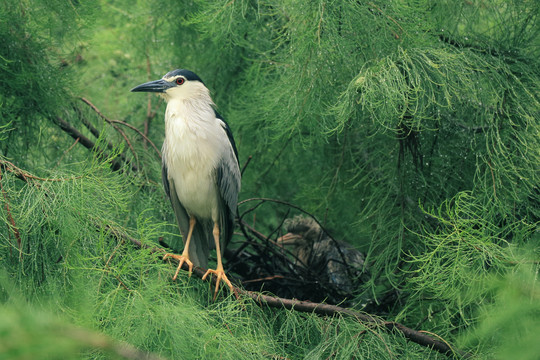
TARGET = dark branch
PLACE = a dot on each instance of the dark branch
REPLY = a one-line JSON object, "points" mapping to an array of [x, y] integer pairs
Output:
{"points": [[114, 122], [116, 164], [246, 164]]}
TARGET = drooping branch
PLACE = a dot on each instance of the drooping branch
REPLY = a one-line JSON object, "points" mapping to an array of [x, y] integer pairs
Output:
{"points": [[116, 163], [246, 164], [146, 139]]}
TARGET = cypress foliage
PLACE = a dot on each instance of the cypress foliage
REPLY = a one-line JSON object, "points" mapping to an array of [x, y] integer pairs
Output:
{"points": [[410, 129]]}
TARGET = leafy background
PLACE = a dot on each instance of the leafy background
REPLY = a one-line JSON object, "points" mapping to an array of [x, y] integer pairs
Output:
{"points": [[410, 128]]}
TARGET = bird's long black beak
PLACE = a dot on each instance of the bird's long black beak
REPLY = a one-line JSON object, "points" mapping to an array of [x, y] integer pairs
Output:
{"points": [[157, 86]]}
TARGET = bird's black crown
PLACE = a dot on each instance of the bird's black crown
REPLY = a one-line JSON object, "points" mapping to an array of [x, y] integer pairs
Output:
{"points": [[188, 75]]}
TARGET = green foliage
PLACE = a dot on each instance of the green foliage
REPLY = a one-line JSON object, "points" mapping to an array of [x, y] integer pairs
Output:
{"points": [[509, 325], [410, 127]]}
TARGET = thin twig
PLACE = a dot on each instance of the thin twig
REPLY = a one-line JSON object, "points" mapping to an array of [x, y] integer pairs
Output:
{"points": [[266, 240], [123, 134], [276, 158], [114, 126], [246, 164], [492, 179], [25, 175], [65, 152], [263, 279], [113, 122], [90, 126], [87, 102], [116, 165], [391, 18], [146, 139]]}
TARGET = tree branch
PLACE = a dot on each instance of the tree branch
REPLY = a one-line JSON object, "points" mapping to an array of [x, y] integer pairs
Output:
{"points": [[116, 164], [415, 336], [419, 337], [114, 122], [25, 175]]}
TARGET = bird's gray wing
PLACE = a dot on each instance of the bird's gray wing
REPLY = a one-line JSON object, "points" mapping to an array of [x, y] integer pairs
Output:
{"points": [[229, 134], [228, 181], [199, 246]]}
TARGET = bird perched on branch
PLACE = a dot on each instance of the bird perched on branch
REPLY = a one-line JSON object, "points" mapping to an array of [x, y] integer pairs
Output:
{"points": [[200, 169], [335, 263]]}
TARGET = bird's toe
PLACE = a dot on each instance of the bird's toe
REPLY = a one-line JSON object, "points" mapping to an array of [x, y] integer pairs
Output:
{"points": [[220, 276], [181, 260]]}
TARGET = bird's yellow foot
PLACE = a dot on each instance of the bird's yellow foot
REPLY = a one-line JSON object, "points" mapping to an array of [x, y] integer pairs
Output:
{"points": [[220, 275], [181, 260]]}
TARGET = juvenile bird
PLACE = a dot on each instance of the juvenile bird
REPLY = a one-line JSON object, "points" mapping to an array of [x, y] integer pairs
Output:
{"points": [[335, 263]]}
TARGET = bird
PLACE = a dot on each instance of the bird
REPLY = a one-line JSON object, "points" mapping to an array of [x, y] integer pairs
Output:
{"points": [[335, 263], [200, 170]]}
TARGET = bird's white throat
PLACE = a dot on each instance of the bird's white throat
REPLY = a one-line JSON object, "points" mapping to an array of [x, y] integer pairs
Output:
{"points": [[192, 149]]}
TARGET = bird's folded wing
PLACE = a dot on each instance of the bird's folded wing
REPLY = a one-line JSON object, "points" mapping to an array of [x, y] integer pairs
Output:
{"points": [[228, 182]]}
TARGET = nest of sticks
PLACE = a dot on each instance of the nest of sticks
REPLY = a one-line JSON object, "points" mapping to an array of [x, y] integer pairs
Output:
{"points": [[297, 259]]}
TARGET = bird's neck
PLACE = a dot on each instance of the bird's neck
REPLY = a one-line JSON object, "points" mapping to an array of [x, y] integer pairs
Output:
{"points": [[192, 136], [190, 110]]}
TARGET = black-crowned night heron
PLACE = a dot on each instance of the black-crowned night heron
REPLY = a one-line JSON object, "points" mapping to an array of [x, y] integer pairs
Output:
{"points": [[200, 169], [334, 262]]}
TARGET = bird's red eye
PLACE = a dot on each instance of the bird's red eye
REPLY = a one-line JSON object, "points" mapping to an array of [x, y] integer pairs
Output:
{"points": [[180, 81]]}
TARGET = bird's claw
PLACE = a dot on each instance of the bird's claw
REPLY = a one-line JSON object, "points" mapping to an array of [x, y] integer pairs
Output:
{"points": [[181, 260], [220, 275]]}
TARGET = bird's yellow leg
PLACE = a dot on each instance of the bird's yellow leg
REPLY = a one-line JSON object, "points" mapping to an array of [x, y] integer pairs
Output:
{"points": [[184, 258], [219, 272]]}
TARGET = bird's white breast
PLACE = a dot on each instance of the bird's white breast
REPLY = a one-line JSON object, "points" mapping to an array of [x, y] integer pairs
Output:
{"points": [[195, 143]]}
